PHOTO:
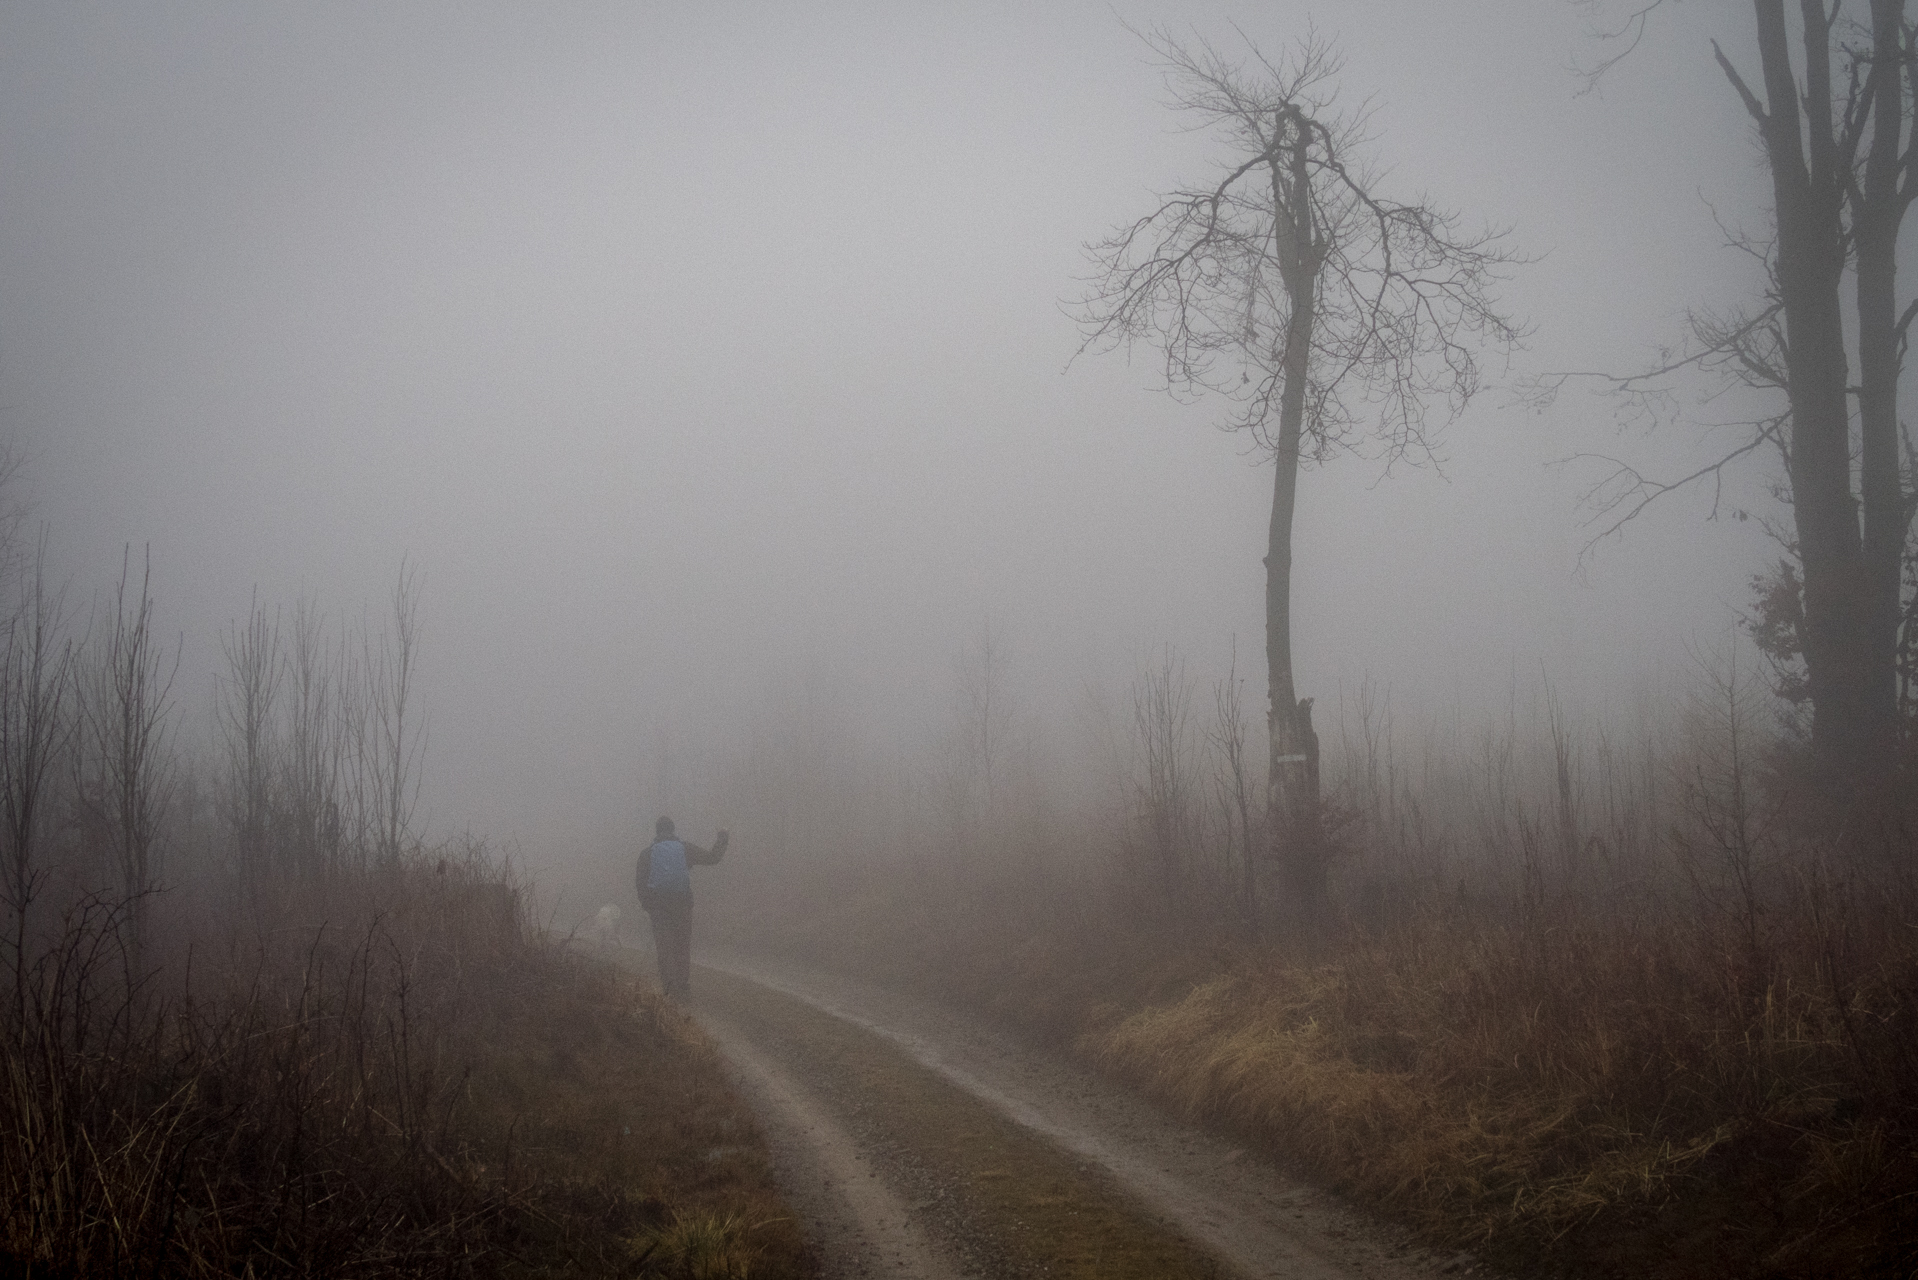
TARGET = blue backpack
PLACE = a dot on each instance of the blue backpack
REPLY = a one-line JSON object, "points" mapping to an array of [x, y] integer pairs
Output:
{"points": [[668, 873]]}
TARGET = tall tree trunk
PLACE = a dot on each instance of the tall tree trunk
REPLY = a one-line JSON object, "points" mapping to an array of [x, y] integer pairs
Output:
{"points": [[1808, 188], [1293, 790], [1878, 209]]}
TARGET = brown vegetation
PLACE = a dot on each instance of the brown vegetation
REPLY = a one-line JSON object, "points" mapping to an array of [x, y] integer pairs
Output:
{"points": [[253, 1026], [1613, 1008], [418, 1084]]}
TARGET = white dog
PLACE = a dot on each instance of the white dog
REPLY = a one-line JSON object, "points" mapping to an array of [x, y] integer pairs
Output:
{"points": [[606, 926]]}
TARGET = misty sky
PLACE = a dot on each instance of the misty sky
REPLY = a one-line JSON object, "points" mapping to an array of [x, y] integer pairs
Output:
{"points": [[698, 353]]}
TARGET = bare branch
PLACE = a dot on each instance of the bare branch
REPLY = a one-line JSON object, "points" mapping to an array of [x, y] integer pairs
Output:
{"points": [[1752, 104], [1632, 30], [1626, 493]]}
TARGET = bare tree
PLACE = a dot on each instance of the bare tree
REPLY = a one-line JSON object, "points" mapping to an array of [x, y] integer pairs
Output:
{"points": [[1233, 784], [1161, 719], [313, 757], [985, 706], [397, 737], [323, 739], [1726, 840], [1333, 316], [246, 715], [126, 714], [1839, 130], [14, 510], [33, 729], [975, 748]]}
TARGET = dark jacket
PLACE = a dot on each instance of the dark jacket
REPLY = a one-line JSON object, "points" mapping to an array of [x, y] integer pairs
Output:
{"points": [[695, 857]]}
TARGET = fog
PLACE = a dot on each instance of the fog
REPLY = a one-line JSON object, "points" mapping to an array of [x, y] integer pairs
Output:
{"points": [[702, 357]]}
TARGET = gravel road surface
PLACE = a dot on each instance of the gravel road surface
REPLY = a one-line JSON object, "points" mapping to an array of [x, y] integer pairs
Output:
{"points": [[871, 1213]]}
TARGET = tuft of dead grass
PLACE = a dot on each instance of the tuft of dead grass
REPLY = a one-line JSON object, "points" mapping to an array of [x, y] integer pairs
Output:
{"points": [[694, 1246]]}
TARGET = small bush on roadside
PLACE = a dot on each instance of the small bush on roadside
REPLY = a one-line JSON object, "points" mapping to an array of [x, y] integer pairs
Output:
{"points": [[697, 1247]]}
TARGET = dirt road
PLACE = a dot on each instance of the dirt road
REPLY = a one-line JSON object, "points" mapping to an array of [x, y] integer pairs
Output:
{"points": [[920, 1143]]}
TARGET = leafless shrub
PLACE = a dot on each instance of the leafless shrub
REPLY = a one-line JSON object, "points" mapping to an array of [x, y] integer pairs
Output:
{"points": [[288, 1108], [246, 711], [1233, 790], [35, 677], [1165, 784], [392, 671], [126, 726], [1729, 841], [316, 740], [975, 752]]}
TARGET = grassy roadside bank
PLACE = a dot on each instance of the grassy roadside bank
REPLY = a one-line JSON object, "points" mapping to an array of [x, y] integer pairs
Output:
{"points": [[1577, 1092], [388, 1073], [643, 1159]]}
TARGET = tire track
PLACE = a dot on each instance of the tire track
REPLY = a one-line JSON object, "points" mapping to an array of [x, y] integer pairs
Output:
{"points": [[858, 1225]]}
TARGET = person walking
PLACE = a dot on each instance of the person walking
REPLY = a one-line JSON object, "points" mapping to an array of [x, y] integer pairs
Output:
{"points": [[665, 883]]}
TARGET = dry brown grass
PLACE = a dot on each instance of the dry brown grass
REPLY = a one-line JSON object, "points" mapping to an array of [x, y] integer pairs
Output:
{"points": [[1492, 1083], [1629, 1091]]}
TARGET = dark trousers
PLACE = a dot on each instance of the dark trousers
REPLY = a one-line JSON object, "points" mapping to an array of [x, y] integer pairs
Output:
{"points": [[672, 916]]}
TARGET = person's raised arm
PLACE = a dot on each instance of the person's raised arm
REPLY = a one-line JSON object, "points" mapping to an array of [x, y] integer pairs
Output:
{"points": [[707, 857]]}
